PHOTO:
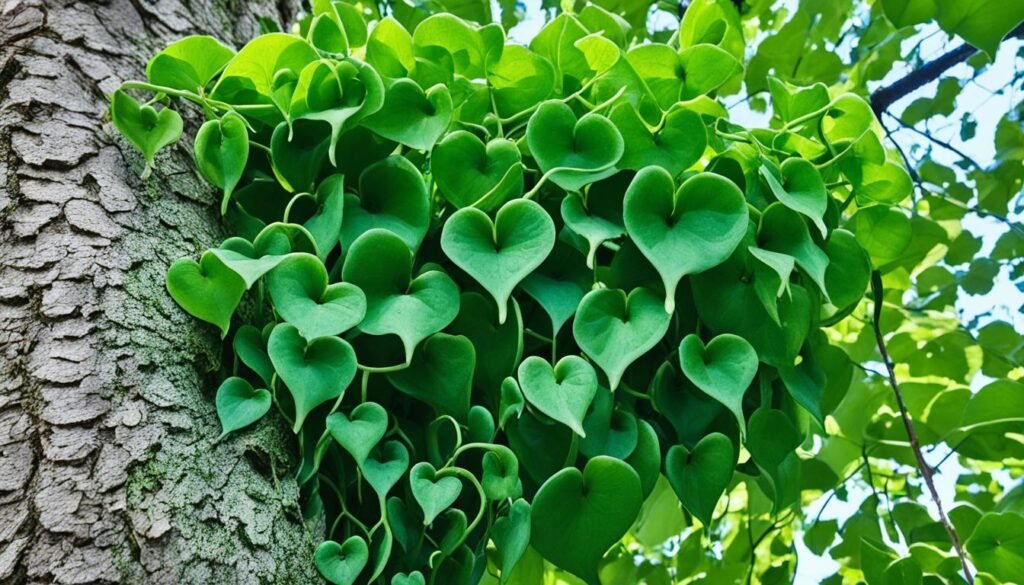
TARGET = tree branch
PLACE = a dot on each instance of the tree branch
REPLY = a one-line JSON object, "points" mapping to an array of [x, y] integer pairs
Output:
{"points": [[884, 97], [915, 445]]}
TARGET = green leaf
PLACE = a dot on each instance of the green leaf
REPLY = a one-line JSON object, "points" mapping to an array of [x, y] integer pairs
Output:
{"points": [[301, 296], [564, 392], [982, 23], [520, 79], [315, 371], [801, 189], [380, 263], [189, 63], [471, 174], [723, 369], [389, 49], [559, 284], [385, 466], [997, 545], [675, 146], [342, 563], [502, 344], [392, 196], [511, 535], [499, 254], [338, 93], [251, 347], [573, 152], [239, 405], [592, 510], [440, 374], [597, 216], [433, 494], [144, 127], [615, 329], [783, 231], [411, 116], [360, 431], [222, 149], [207, 289], [700, 477], [684, 231], [500, 477], [908, 12], [253, 75]]}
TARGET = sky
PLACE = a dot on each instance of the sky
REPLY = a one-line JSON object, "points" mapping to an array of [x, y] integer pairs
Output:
{"points": [[1004, 302]]}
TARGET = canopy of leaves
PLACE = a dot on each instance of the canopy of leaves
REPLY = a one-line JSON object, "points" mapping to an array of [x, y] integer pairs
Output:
{"points": [[547, 313]]}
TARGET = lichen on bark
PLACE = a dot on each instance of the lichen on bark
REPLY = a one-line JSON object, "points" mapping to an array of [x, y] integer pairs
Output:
{"points": [[109, 467]]}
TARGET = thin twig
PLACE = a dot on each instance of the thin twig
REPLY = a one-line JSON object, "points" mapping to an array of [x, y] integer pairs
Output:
{"points": [[937, 141], [915, 445]]}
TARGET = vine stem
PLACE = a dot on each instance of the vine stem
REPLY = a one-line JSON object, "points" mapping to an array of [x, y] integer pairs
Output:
{"points": [[915, 445]]}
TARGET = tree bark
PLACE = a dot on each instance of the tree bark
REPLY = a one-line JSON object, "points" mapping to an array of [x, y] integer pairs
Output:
{"points": [[109, 469]]}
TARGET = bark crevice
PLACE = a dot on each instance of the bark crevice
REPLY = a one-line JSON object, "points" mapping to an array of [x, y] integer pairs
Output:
{"points": [[109, 472]]}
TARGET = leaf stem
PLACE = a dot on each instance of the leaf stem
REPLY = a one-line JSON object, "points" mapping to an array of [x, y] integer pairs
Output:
{"points": [[915, 445]]}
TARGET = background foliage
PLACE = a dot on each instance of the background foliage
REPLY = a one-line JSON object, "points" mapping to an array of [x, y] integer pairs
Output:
{"points": [[772, 85]]}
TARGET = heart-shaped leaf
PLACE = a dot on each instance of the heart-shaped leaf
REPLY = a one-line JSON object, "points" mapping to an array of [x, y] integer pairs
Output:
{"points": [[452, 524], [597, 217], [207, 289], [677, 144], [500, 254], [315, 371], [684, 231], [301, 296], [564, 392], [718, 291], [511, 535], [360, 431], [433, 494], [385, 466], [299, 153], [772, 440], [723, 369], [144, 127], [470, 174], [801, 189], [338, 93], [251, 347], [189, 63], [272, 244], [592, 510], [559, 284], [512, 401], [499, 347], [393, 196], [571, 152], [500, 477], [411, 116], [380, 263], [440, 374], [700, 477], [324, 224], [239, 405], [848, 272], [609, 431], [615, 329], [341, 563], [414, 578], [783, 231], [222, 149]]}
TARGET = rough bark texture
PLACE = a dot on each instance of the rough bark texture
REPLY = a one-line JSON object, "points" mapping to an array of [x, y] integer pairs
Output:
{"points": [[109, 470]]}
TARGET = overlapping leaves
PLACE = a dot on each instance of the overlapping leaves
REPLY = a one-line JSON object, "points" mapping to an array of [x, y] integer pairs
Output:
{"points": [[501, 291]]}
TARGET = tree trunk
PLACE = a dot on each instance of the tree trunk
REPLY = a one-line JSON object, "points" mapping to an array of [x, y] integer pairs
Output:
{"points": [[109, 469]]}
